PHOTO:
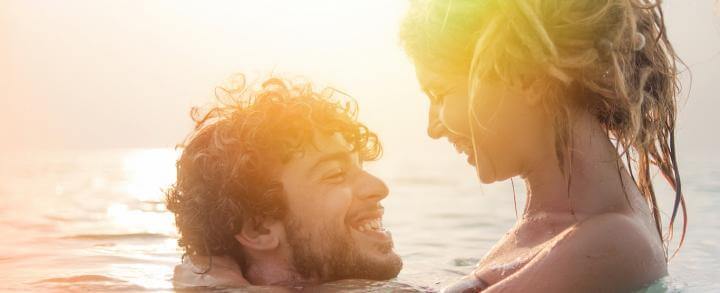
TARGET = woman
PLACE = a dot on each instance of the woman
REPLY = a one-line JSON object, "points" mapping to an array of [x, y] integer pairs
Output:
{"points": [[577, 97]]}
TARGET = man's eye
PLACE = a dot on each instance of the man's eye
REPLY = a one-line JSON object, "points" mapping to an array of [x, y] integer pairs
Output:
{"points": [[335, 176]]}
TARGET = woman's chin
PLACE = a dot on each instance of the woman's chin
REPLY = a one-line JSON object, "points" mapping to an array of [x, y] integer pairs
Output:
{"points": [[484, 174], [486, 179]]}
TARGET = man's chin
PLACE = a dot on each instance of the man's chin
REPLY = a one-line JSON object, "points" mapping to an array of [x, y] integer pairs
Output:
{"points": [[387, 266], [374, 266], [345, 253], [375, 256]]}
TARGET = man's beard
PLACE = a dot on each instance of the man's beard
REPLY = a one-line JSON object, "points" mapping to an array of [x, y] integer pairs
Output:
{"points": [[330, 256]]}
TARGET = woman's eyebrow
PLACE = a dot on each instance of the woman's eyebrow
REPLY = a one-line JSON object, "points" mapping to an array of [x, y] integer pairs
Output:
{"points": [[431, 91]]}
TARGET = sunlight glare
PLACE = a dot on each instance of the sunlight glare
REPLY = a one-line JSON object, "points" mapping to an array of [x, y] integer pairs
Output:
{"points": [[149, 172]]}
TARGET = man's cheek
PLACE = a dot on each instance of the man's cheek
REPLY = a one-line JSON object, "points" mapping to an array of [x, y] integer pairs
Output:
{"points": [[337, 205]]}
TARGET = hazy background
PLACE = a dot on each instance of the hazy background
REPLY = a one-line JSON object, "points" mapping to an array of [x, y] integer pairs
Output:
{"points": [[113, 74], [94, 93]]}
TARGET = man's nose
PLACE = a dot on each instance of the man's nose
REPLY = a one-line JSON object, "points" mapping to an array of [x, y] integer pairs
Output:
{"points": [[372, 188], [435, 127]]}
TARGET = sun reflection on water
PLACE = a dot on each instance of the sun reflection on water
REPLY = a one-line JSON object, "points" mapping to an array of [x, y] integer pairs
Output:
{"points": [[148, 172], [137, 221]]}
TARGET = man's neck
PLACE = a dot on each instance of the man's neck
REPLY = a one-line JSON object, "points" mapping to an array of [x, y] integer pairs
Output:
{"points": [[274, 272]]}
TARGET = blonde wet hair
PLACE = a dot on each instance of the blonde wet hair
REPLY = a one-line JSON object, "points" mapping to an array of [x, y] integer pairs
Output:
{"points": [[611, 57]]}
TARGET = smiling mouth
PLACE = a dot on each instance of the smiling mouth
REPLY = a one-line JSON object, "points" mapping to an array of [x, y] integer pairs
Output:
{"points": [[464, 148], [370, 224]]}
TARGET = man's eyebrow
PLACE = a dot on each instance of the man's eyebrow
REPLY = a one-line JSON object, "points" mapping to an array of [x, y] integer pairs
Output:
{"points": [[337, 156]]}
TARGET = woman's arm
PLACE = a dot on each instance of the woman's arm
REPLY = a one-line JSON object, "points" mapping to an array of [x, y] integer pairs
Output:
{"points": [[225, 273]]}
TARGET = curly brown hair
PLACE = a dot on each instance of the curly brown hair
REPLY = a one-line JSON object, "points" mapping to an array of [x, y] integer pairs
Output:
{"points": [[226, 174]]}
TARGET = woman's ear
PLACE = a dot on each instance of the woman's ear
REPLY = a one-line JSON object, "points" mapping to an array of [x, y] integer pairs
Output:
{"points": [[261, 234], [529, 90], [533, 98]]}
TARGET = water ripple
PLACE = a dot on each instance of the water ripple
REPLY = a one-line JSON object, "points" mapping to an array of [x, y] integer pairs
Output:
{"points": [[88, 283], [142, 236]]}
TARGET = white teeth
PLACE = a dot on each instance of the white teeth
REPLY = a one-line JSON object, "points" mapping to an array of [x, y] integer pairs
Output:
{"points": [[375, 224]]}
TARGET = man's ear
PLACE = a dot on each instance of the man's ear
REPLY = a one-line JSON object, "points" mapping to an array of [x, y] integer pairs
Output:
{"points": [[261, 234]]}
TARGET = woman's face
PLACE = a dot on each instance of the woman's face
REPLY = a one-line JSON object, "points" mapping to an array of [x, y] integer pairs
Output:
{"points": [[506, 126]]}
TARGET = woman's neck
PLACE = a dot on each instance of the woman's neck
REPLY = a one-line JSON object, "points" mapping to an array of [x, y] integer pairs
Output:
{"points": [[591, 183]]}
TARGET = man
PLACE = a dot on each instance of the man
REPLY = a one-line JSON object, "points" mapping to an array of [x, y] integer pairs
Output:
{"points": [[271, 191]]}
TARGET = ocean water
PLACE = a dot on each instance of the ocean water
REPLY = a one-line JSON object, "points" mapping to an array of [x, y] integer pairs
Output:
{"points": [[96, 221]]}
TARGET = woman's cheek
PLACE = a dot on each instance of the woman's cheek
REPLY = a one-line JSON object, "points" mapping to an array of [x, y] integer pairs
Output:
{"points": [[484, 166], [455, 115]]}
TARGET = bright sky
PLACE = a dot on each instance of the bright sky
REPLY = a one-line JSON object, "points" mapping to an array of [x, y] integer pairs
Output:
{"points": [[99, 74]]}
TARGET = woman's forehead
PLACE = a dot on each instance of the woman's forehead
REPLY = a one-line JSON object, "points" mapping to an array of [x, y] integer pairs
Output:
{"points": [[431, 79]]}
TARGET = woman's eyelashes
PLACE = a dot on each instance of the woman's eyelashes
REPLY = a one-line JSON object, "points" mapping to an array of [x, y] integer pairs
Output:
{"points": [[438, 99], [435, 98]]}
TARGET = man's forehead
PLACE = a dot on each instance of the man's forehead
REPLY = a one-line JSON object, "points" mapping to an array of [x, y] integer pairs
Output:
{"points": [[332, 142], [323, 144]]}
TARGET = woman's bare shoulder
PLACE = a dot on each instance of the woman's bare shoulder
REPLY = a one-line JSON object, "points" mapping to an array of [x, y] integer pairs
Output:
{"points": [[605, 253]]}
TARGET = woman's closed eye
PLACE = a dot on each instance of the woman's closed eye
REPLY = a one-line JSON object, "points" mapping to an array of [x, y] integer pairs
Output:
{"points": [[438, 96], [437, 99], [434, 97]]}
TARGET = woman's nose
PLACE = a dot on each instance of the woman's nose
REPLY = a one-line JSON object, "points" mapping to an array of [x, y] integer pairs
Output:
{"points": [[435, 127]]}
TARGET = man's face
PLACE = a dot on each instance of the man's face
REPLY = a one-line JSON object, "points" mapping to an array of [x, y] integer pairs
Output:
{"points": [[334, 226]]}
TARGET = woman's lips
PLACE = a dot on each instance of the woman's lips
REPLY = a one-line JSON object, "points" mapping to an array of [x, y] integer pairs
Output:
{"points": [[465, 148], [471, 159]]}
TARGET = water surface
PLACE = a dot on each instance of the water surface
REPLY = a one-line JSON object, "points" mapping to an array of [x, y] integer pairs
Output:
{"points": [[95, 221]]}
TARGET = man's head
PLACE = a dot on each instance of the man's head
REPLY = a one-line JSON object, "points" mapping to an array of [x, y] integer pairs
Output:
{"points": [[275, 179]]}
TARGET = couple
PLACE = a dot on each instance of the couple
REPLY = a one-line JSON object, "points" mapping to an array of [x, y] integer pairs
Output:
{"points": [[577, 97]]}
